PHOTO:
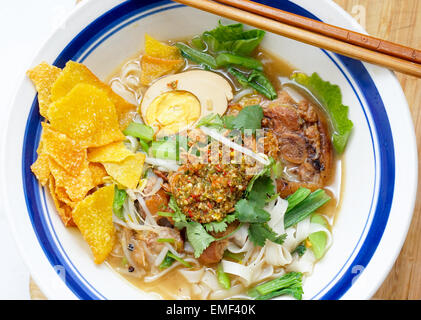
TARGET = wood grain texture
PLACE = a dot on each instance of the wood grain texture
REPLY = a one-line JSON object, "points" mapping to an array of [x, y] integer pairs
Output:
{"points": [[399, 21]]}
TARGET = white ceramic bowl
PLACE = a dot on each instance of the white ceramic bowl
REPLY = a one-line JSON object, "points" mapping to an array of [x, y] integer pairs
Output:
{"points": [[381, 159]]}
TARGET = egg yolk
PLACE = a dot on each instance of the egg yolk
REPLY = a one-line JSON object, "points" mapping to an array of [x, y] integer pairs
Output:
{"points": [[173, 111]]}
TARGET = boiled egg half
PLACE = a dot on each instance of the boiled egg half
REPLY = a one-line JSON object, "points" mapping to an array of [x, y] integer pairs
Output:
{"points": [[175, 103]]}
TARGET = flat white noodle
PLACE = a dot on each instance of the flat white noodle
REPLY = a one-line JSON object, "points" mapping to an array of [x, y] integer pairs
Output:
{"points": [[277, 211], [123, 92], [224, 294], [210, 279], [240, 237], [192, 276], [303, 264], [242, 94], [277, 255]]}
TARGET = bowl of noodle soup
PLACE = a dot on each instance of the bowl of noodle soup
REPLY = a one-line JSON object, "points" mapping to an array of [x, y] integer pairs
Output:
{"points": [[327, 206]]}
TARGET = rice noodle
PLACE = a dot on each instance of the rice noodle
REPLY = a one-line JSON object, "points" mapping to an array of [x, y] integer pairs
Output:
{"points": [[242, 94], [164, 165], [123, 92], [176, 264], [133, 143], [161, 256], [217, 136], [192, 276]]}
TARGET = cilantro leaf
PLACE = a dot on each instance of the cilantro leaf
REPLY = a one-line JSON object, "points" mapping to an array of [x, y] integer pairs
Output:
{"points": [[220, 226], [249, 117], [248, 211], [198, 237], [330, 97], [262, 188], [259, 232]]}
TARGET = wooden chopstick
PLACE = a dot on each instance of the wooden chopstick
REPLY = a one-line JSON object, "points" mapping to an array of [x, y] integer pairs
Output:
{"points": [[359, 39], [307, 36]]}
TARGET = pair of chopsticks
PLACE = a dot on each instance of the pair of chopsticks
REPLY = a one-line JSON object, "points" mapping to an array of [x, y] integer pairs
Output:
{"points": [[345, 42]]}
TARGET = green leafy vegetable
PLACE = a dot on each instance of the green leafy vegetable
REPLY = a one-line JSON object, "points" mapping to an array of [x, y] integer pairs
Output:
{"points": [[297, 197], [198, 237], [198, 43], [212, 120], [119, 198], [260, 232], [232, 38], [226, 59], [140, 131], [248, 211], [167, 262], [256, 80], [249, 117], [288, 284], [330, 97], [200, 57], [318, 239], [263, 188], [223, 278], [166, 240], [195, 232], [300, 249], [306, 207], [220, 226]]}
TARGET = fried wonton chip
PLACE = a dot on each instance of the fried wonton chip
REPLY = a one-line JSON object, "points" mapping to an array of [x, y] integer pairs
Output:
{"points": [[65, 151], [76, 187], [98, 173], [157, 49], [63, 210], [94, 218], [86, 115], [43, 76], [41, 168], [75, 73], [154, 68], [127, 172], [113, 152]]}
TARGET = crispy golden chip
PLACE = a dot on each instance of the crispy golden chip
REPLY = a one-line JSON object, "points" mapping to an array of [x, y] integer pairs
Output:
{"points": [[43, 76], [63, 210], [65, 151], [86, 115], [41, 168], [127, 172], [76, 187], [113, 152], [157, 49], [154, 68], [75, 73], [94, 218], [98, 173]]}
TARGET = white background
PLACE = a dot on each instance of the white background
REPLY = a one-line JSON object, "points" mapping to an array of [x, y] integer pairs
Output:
{"points": [[24, 26]]}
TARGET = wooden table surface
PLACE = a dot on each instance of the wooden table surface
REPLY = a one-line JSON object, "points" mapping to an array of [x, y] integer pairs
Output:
{"points": [[398, 21]]}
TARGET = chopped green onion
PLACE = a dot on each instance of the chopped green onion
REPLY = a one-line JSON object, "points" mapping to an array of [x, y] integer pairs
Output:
{"points": [[184, 263], [277, 169], [223, 278], [197, 56], [297, 197], [169, 240], [165, 214], [234, 256], [164, 149], [225, 59], [144, 145], [290, 283], [119, 198], [306, 207], [198, 43], [257, 80], [140, 131]]}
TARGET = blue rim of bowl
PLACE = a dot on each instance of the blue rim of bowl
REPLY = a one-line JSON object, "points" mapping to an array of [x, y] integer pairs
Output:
{"points": [[77, 50]]}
